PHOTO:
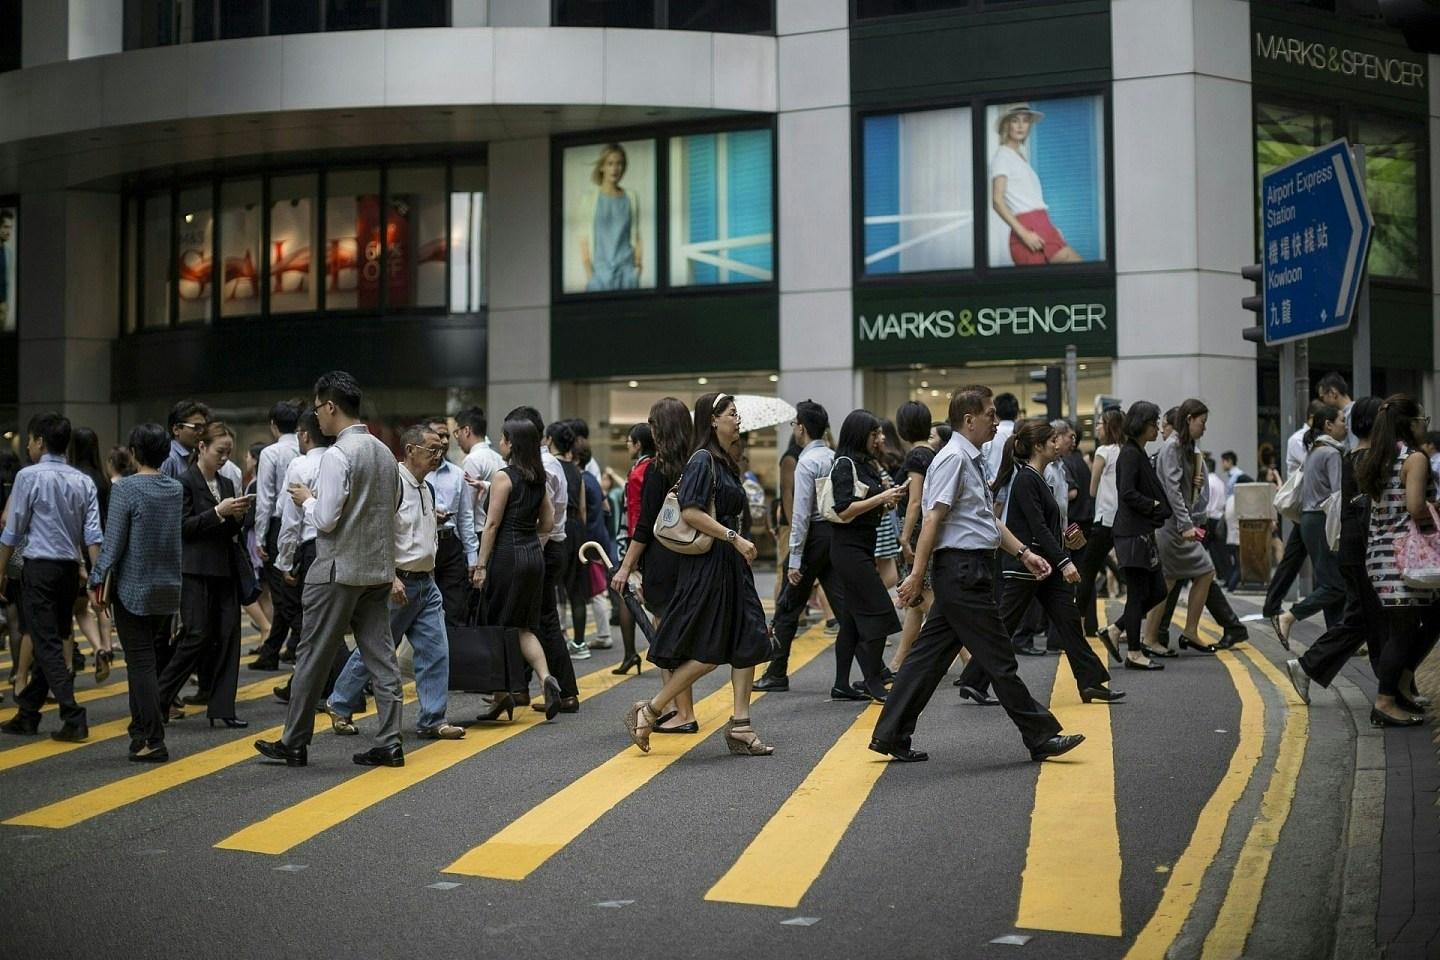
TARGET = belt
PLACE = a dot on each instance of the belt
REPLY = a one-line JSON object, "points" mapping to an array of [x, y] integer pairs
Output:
{"points": [[988, 554], [414, 574], [445, 533]]}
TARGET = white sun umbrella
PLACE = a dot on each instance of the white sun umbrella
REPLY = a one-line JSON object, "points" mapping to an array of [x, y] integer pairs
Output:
{"points": [[757, 412]]}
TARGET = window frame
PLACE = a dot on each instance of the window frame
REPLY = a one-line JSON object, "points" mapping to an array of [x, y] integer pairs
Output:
{"points": [[660, 20], [130, 28], [963, 8]]}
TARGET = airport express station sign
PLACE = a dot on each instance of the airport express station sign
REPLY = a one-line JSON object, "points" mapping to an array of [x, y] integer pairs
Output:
{"points": [[1315, 230]]}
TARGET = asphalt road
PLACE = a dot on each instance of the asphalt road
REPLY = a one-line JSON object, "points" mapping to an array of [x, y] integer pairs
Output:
{"points": [[1204, 817]]}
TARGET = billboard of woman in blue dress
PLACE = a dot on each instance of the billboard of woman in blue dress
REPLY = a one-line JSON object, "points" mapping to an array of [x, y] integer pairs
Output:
{"points": [[609, 216]]}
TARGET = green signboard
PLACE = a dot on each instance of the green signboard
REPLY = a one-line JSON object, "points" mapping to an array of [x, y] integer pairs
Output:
{"points": [[1294, 51]]}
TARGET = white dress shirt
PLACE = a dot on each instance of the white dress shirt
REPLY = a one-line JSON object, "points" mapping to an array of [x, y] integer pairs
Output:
{"points": [[994, 449], [415, 525], [813, 463], [296, 527], [558, 491], [1295, 452], [453, 495], [332, 485], [270, 482], [482, 462], [1215, 507], [956, 479]]}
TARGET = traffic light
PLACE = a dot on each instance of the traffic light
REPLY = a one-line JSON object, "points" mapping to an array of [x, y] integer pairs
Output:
{"points": [[1051, 398], [1255, 273], [1418, 20]]}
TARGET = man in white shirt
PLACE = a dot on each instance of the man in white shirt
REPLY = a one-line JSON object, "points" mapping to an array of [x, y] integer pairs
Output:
{"points": [[1007, 408], [459, 546], [269, 500], [1230, 466], [1335, 390], [482, 461], [1293, 559], [295, 543], [1215, 522], [416, 608]]}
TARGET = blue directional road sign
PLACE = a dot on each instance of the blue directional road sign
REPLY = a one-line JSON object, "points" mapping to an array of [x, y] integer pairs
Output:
{"points": [[1316, 230]]}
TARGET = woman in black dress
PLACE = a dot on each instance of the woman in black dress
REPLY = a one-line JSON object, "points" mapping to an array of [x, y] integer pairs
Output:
{"points": [[1142, 509], [715, 615], [863, 498], [511, 560]]}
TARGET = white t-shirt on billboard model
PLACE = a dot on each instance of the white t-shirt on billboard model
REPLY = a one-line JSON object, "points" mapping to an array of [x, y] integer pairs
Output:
{"points": [[1022, 184]]}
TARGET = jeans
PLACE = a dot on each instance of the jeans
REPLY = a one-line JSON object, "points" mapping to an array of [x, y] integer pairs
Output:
{"points": [[421, 618]]}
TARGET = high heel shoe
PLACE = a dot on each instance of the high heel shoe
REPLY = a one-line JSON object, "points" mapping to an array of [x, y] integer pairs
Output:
{"points": [[1100, 693], [639, 720], [1111, 645], [633, 660], [503, 703], [742, 741], [234, 723], [552, 698], [1187, 644], [1378, 719]]}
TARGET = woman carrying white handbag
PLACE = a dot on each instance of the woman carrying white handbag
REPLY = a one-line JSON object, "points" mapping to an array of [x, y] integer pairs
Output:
{"points": [[1325, 445]]}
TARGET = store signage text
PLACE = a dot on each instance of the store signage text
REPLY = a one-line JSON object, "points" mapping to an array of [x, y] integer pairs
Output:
{"points": [[1060, 318], [1339, 60]]}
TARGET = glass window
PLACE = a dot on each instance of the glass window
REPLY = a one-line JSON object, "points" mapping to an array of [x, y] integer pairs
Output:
{"points": [[132, 263], [418, 13], [1393, 165], [919, 192], [604, 13], [870, 9], [202, 19], [721, 219], [467, 236], [352, 14], [1284, 133], [293, 268], [352, 240], [240, 216], [722, 16], [241, 18], [415, 237], [156, 289], [148, 23], [9, 276], [1046, 183], [194, 258], [10, 57], [294, 16], [609, 217]]}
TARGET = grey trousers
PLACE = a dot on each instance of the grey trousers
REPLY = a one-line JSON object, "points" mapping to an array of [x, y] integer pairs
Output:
{"points": [[331, 609]]}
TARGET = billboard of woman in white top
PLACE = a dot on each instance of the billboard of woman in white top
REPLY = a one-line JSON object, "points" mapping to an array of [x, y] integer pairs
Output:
{"points": [[609, 210], [1047, 182]]}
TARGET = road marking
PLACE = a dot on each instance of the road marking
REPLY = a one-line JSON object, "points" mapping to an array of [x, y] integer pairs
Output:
{"points": [[101, 732], [113, 796], [779, 866], [1237, 913], [1073, 829], [83, 696], [520, 848], [1183, 886], [309, 818]]}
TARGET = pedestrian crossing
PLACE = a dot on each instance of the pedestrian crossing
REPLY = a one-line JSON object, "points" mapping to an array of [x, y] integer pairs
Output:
{"points": [[1073, 827]]}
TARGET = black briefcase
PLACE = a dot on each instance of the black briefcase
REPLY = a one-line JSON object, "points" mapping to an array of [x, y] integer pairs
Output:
{"points": [[485, 659]]}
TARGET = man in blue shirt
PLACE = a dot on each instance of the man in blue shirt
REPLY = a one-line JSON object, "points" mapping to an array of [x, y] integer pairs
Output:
{"points": [[57, 509], [186, 421], [459, 544]]}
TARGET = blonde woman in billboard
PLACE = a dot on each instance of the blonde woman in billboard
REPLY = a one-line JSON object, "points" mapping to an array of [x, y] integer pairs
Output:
{"points": [[1016, 195], [610, 248]]}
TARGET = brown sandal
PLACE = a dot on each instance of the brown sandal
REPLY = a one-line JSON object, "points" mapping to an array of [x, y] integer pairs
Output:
{"points": [[743, 742], [639, 720]]}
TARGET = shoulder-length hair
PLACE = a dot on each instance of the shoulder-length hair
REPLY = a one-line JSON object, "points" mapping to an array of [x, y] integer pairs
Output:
{"points": [[673, 431], [1394, 425], [1322, 415], [597, 172], [1190, 408], [524, 442], [210, 433], [708, 407], [85, 457], [855, 433], [1020, 447], [1111, 427], [1138, 418]]}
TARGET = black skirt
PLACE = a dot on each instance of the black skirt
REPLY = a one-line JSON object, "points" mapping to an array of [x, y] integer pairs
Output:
{"points": [[515, 584], [714, 615], [1137, 552], [867, 602]]}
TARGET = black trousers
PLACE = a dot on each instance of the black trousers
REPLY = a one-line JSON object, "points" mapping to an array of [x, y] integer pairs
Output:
{"points": [[1144, 590], [1216, 603], [814, 566], [1291, 561], [1413, 632], [575, 579], [1215, 546], [552, 637], [210, 615], [1097, 547], [285, 624], [143, 636], [47, 599], [1362, 622], [1058, 600], [964, 614], [452, 576]]}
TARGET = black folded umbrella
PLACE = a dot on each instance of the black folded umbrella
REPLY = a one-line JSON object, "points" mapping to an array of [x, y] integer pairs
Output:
{"points": [[627, 595]]}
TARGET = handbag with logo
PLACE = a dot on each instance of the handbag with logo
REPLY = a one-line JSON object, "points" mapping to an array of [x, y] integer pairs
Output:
{"points": [[671, 529], [825, 492], [1417, 554]]}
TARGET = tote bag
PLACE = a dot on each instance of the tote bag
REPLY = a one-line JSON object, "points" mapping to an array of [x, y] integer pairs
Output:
{"points": [[483, 658], [825, 492], [1287, 498], [1417, 555]]}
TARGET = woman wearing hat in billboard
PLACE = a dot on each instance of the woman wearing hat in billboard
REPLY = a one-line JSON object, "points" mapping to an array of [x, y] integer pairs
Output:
{"points": [[1017, 197]]}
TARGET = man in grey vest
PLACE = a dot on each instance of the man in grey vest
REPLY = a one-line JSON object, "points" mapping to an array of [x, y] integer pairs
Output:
{"points": [[348, 585]]}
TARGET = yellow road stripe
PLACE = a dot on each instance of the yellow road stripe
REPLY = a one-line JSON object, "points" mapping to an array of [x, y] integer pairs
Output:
{"points": [[525, 844], [786, 857], [1183, 887], [113, 796], [1073, 829], [309, 818], [99, 733], [1237, 913], [83, 696]]}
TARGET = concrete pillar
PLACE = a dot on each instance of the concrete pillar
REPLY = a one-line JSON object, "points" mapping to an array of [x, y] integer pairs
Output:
{"points": [[1184, 212], [519, 271], [69, 306], [59, 30], [813, 78]]}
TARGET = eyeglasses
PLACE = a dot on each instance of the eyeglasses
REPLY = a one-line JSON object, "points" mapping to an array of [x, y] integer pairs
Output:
{"points": [[191, 426]]}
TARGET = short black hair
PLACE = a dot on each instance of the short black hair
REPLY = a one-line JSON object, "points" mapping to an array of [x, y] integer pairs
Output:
{"points": [[1333, 381], [150, 444], [311, 425], [1230, 455], [528, 413], [855, 433], [560, 434], [1007, 406], [474, 418], [641, 433], [579, 426], [185, 409], [1140, 415], [813, 418], [912, 421], [340, 388], [286, 413], [1362, 416], [257, 448], [54, 428]]}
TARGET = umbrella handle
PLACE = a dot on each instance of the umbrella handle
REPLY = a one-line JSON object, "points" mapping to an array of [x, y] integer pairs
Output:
{"points": [[599, 552]]}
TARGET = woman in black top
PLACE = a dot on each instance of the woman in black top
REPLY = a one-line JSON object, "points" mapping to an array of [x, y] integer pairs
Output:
{"points": [[93, 621], [1142, 509], [715, 615], [573, 578], [868, 615], [926, 439], [511, 563]]}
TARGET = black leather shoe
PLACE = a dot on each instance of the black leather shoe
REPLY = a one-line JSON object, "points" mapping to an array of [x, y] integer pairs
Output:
{"points": [[264, 662], [1137, 665], [286, 656], [282, 693], [772, 684], [1110, 645], [17, 727], [692, 727], [71, 733], [1055, 746], [1187, 644], [196, 699], [275, 750], [1164, 652], [569, 704], [847, 693], [150, 754], [1233, 636], [968, 692], [1101, 694], [903, 754], [392, 756], [1029, 651]]}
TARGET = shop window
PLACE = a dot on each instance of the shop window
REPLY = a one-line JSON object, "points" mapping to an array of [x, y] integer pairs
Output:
{"points": [[148, 23], [352, 240], [194, 255], [608, 235], [416, 238], [604, 13], [417, 13], [240, 252], [467, 236], [294, 16], [1394, 159], [10, 57], [202, 19], [293, 275], [131, 243], [241, 18], [1284, 133], [919, 192], [874, 9], [352, 14], [9, 276], [721, 219], [722, 16], [155, 289]]}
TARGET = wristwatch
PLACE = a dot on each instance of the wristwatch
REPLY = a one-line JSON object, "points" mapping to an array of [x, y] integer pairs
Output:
{"points": [[730, 536], [1020, 554]]}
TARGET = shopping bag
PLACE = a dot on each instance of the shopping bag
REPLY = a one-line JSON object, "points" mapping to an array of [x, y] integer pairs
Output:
{"points": [[485, 659], [1287, 498], [1418, 554], [1333, 520]]}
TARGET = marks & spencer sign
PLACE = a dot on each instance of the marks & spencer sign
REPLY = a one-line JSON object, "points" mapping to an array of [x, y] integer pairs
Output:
{"points": [[1367, 61]]}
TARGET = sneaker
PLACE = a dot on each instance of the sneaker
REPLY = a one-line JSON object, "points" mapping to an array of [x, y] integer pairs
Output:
{"points": [[601, 643], [832, 627], [1299, 678], [578, 651]]}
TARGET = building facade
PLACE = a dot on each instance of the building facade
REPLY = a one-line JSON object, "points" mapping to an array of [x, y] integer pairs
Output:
{"points": [[588, 204]]}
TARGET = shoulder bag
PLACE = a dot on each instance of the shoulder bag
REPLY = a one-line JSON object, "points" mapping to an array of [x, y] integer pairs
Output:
{"points": [[670, 527], [1287, 498], [1417, 554], [825, 492]]}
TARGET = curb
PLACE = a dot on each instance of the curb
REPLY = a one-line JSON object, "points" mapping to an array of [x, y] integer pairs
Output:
{"points": [[1359, 906]]}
